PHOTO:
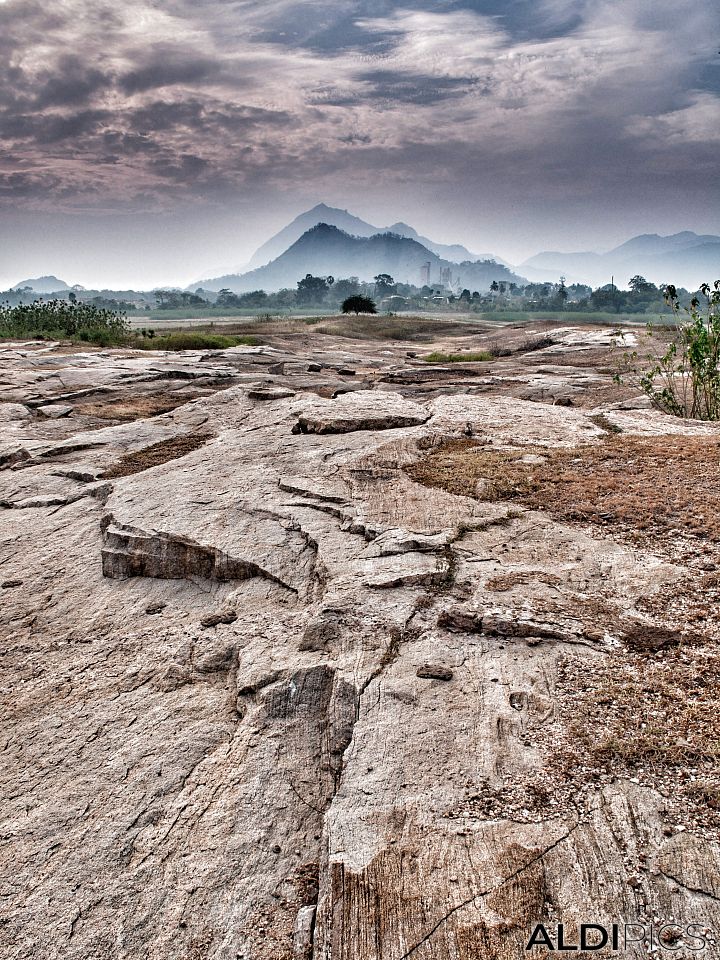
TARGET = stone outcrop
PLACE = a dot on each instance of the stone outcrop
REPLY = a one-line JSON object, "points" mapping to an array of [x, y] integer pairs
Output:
{"points": [[273, 699]]}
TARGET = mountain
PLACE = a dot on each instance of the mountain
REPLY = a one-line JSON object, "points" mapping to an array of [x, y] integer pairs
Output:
{"points": [[356, 227], [685, 259], [43, 285], [652, 244], [306, 221], [326, 250], [454, 252]]}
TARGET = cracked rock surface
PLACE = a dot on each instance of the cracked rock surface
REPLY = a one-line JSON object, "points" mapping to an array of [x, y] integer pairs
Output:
{"points": [[273, 699]]}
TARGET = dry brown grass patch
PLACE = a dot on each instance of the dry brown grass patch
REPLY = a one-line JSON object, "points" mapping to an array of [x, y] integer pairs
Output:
{"points": [[655, 717], [506, 581], [660, 486], [156, 455], [659, 711], [134, 408]]}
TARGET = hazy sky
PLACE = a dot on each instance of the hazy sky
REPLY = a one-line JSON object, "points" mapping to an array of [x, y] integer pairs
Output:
{"points": [[148, 142]]}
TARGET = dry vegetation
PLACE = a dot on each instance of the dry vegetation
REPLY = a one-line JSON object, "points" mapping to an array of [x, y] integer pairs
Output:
{"points": [[650, 708], [652, 489], [129, 408], [420, 329], [654, 717], [515, 578], [477, 356], [155, 455], [365, 327]]}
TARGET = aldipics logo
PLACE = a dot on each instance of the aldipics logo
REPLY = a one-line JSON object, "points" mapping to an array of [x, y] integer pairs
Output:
{"points": [[620, 936]]}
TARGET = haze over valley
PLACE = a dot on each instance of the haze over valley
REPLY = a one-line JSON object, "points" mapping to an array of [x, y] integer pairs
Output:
{"points": [[330, 241]]}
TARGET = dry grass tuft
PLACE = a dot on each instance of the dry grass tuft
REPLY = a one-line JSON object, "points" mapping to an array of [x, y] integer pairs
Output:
{"points": [[156, 455], [516, 578], [134, 408], [659, 711], [653, 717]]}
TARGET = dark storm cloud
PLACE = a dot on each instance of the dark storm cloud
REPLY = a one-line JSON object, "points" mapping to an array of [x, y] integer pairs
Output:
{"points": [[183, 169], [24, 185], [45, 130], [387, 87], [140, 102], [166, 66]]}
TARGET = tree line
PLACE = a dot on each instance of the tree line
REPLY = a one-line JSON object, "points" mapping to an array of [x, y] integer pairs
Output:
{"points": [[317, 292]]}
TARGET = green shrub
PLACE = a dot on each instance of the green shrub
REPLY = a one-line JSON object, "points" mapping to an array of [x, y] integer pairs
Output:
{"points": [[684, 379], [193, 341], [58, 320], [437, 357]]}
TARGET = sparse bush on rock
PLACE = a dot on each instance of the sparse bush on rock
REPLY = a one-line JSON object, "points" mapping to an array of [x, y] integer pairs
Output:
{"points": [[684, 380]]}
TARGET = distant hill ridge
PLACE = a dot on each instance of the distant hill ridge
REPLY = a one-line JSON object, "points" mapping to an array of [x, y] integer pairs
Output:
{"points": [[49, 284], [348, 223], [686, 259], [324, 250]]}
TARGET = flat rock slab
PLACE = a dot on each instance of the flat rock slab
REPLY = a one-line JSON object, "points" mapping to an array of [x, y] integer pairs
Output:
{"points": [[270, 393], [55, 410], [13, 411], [273, 698], [507, 420], [361, 410], [405, 570]]}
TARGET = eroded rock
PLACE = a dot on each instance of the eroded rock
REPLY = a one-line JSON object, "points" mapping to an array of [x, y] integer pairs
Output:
{"points": [[434, 671], [344, 735], [221, 616]]}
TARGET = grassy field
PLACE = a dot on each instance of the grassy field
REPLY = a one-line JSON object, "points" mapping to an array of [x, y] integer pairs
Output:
{"points": [[219, 315], [379, 327], [574, 317], [162, 319], [192, 340]]}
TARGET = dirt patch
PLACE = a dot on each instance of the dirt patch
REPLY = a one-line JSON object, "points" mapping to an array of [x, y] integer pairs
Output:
{"points": [[156, 455], [655, 489], [651, 716], [127, 409], [507, 581], [408, 328]]}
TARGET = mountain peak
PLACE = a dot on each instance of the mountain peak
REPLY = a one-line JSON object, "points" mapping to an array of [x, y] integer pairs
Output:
{"points": [[323, 208], [46, 284], [404, 230], [326, 249]]}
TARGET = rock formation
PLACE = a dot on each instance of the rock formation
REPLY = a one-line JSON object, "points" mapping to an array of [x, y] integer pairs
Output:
{"points": [[268, 697]]}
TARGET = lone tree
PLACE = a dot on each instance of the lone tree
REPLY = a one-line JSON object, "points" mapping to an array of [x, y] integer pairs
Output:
{"points": [[384, 285], [358, 305]]}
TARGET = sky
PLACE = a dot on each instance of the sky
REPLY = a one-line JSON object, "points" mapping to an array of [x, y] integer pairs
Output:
{"points": [[156, 142]]}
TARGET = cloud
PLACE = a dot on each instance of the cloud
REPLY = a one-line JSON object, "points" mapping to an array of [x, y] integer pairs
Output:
{"points": [[129, 103], [698, 122]]}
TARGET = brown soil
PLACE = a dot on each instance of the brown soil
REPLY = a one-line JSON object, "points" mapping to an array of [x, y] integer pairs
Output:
{"points": [[656, 488], [134, 408], [156, 455]]}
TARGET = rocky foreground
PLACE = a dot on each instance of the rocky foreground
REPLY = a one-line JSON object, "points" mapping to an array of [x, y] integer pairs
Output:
{"points": [[301, 660]]}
